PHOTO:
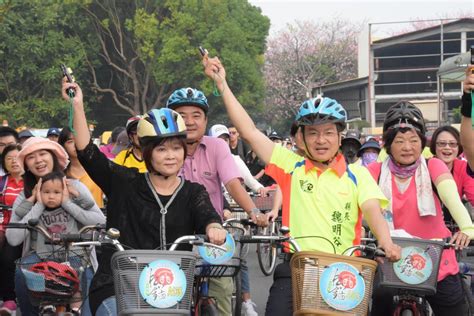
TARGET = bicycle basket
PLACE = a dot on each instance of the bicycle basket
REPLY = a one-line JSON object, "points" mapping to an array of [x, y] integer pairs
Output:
{"points": [[153, 281], [417, 270], [54, 278], [331, 284], [264, 203]]}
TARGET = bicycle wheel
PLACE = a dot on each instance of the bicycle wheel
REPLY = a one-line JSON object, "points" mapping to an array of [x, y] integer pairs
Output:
{"points": [[267, 252], [237, 295], [406, 312], [208, 308]]}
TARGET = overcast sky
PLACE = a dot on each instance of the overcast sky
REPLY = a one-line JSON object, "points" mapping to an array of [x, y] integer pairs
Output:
{"points": [[282, 12]]}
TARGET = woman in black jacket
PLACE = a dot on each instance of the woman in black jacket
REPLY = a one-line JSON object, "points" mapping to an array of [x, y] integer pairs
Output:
{"points": [[150, 209]]}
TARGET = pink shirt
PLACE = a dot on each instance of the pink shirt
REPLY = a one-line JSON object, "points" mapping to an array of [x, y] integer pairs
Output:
{"points": [[107, 150], [407, 217], [211, 165], [464, 182]]}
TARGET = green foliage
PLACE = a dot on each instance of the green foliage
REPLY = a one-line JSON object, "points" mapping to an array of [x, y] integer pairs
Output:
{"points": [[34, 39], [131, 54], [456, 115]]}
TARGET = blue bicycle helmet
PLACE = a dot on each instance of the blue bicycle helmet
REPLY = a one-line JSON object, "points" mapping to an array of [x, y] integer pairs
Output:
{"points": [[187, 96], [321, 110], [161, 123]]}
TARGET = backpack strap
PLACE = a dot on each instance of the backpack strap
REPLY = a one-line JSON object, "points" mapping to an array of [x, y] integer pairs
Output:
{"points": [[3, 186]]}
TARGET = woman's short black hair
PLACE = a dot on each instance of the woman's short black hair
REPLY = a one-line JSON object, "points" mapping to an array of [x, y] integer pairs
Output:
{"points": [[390, 134], [147, 149], [6, 151], [451, 130]]}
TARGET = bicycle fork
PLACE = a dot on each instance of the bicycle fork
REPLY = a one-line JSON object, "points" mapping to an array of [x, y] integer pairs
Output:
{"points": [[203, 301], [412, 303]]}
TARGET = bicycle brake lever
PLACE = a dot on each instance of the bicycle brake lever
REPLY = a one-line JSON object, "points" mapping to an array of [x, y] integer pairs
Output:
{"points": [[214, 246]]}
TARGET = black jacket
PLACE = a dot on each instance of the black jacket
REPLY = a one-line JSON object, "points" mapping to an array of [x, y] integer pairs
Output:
{"points": [[133, 210]]}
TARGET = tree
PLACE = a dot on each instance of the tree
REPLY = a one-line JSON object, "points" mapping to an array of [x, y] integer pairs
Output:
{"points": [[134, 53], [149, 48], [303, 56], [35, 39]]}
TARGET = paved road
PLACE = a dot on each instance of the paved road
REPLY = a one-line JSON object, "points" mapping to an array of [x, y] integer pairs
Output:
{"points": [[259, 283]]}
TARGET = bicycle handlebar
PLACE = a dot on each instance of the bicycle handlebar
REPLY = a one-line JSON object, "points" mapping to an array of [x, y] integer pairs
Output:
{"points": [[80, 236], [266, 239], [196, 240], [4, 207]]}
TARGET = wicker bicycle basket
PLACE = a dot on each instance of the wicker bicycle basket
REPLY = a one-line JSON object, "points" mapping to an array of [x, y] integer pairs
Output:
{"points": [[264, 203], [54, 278], [308, 269], [418, 274], [127, 268]]}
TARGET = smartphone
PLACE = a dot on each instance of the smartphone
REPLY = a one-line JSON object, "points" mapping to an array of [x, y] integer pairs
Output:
{"points": [[67, 72], [202, 51]]}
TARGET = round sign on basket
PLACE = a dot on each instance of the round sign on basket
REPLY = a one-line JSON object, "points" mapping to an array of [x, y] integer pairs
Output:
{"points": [[414, 267], [162, 283], [341, 286], [214, 255]]}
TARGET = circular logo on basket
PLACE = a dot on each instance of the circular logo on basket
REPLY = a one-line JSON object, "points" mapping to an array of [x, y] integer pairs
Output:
{"points": [[414, 267], [341, 286], [162, 283], [215, 255]]}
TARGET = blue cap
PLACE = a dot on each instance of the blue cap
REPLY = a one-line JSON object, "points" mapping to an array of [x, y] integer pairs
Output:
{"points": [[369, 144], [25, 134], [53, 131]]}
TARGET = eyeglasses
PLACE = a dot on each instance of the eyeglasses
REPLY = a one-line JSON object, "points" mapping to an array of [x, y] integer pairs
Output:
{"points": [[445, 144]]}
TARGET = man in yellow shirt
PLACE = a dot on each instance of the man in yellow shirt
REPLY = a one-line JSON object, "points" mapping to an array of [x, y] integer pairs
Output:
{"points": [[132, 157], [322, 195]]}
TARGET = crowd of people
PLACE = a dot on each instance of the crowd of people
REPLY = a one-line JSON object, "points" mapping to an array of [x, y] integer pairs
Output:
{"points": [[166, 174]]}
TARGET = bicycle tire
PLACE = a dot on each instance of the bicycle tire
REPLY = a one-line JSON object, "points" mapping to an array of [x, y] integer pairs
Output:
{"points": [[267, 253], [468, 296], [237, 294], [208, 309], [406, 312]]}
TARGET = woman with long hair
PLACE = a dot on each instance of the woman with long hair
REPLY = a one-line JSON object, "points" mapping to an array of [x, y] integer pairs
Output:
{"points": [[74, 169], [40, 157], [11, 184]]}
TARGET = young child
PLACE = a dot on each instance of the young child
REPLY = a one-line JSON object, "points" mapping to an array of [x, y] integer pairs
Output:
{"points": [[57, 214]]}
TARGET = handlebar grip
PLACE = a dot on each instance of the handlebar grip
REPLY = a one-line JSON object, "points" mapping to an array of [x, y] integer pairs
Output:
{"points": [[203, 237], [246, 221], [469, 252], [249, 240], [77, 237], [17, 225]]}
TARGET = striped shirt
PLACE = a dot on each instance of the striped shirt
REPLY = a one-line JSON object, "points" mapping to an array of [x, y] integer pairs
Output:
{"points": [[11, 191]]}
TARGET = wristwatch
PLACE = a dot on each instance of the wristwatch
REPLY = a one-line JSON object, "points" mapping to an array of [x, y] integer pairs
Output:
{"points": [[255, 211]]}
